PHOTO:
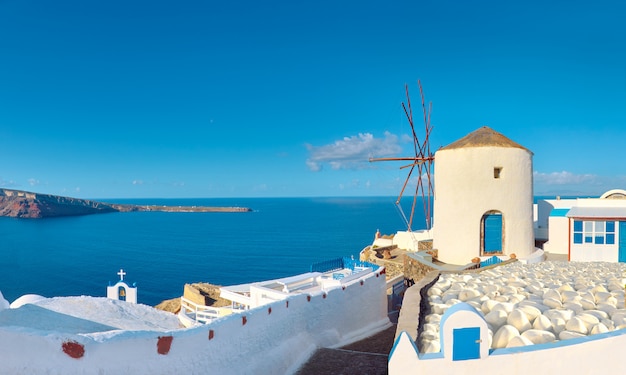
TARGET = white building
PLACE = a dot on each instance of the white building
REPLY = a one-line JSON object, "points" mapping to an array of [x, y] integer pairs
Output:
{"points": [[483, 202], [586, 229], [122, 291]]}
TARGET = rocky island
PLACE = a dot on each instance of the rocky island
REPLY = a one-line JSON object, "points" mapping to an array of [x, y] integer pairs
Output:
{"points": [[24, 204]]}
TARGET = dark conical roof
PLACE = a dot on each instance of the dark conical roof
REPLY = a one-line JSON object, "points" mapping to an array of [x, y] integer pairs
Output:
{"points": [[484, 137]]}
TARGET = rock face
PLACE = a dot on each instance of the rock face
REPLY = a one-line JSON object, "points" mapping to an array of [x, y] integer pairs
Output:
{"points": [[22, 204]]}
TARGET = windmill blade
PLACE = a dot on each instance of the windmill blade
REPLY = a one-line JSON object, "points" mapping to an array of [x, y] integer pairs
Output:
{"points": [[423, 160], [409, 115], [405, 183], [417, 188], [416, 162], [419, 83], [393, 159]]}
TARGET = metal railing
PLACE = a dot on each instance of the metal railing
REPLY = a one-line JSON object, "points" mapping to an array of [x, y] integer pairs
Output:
{"points": [[340, 263], [353, 263], [491, 261], [327, 265], [199, 313]]}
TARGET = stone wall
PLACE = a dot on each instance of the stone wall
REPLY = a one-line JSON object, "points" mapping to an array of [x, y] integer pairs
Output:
{"points": [[414, 270], [415, 306]]}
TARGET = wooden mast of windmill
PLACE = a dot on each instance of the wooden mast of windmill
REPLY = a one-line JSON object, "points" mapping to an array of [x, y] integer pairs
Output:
{"points": [[423, 160]]}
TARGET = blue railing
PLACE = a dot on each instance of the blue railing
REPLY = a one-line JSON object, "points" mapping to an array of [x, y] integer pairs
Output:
{"points": [[351, 263], [327, 265], [491, 261], [339, 264]]}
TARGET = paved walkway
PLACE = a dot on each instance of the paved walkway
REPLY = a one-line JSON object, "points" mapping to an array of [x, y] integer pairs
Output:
{"points": [[368, 356]]}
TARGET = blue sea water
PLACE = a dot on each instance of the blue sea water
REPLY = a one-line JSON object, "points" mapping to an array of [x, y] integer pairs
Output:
{"points": [[162, 251]]}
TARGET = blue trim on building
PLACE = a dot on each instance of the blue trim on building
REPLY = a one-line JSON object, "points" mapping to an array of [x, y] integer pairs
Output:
{"points": [[621, 256], [559, 212]]}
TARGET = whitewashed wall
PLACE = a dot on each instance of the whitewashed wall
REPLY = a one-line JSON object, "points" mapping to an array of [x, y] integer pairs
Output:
{"points": [[595, 253], [596, 354], [409, 240], [271, 339], [559, 236], [599, 354]]}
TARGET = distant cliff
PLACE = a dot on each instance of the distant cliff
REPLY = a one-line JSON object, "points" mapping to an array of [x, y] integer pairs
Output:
{"points": [[23, 204], [16, 203]]}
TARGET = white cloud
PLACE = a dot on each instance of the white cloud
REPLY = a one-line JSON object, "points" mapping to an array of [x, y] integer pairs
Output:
{"points": [[352, 152], [568, 183], [563, 178], [137, 182], [33, 182], [7, 183]]}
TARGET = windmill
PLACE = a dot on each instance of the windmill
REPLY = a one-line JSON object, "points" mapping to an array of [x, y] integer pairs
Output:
{"points": [[423, 160]]}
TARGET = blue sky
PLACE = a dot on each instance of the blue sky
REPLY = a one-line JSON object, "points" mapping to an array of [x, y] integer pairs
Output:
{"points": [[114, 99]]}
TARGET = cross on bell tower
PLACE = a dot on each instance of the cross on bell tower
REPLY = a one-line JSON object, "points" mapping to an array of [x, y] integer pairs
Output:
{"points": [[122, 274]]}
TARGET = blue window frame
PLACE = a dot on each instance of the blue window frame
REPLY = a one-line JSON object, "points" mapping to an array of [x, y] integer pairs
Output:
{"points": [[578, 238], [610, 226], [594, 232], [578, 231], [578, 226], [588, 231]]}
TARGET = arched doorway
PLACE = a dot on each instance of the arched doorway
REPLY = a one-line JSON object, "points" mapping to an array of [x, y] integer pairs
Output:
{"points": [[491, 233]]}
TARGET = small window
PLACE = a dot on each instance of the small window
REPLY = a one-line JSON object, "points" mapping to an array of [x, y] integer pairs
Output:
{"points": [[496, 172], [594, 232]]}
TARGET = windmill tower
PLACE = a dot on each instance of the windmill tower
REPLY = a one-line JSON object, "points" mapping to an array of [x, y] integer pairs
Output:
{"points": [[483, 198]]}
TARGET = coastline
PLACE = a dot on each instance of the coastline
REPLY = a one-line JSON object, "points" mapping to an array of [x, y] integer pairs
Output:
{"points": [[28, 205], [162, 208]]}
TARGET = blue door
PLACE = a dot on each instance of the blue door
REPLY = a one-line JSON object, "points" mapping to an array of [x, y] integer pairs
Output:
{"points": [[622, 242], [493, 233], [465, 343]]}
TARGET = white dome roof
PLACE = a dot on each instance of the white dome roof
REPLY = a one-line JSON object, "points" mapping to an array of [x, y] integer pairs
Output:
{"points": [[26, 299]]}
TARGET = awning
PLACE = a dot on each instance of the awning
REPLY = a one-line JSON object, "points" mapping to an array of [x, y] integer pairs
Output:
{"points": [[598, 212]]}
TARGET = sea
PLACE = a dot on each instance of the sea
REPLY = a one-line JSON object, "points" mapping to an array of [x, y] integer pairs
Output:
{"points": [[162, 251]]}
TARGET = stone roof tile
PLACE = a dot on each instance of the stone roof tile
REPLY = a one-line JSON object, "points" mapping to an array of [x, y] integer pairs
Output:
{"points": [[484, 137]]}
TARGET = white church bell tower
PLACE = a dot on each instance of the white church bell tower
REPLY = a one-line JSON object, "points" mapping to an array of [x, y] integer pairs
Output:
{"points": [[121, 290]]}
